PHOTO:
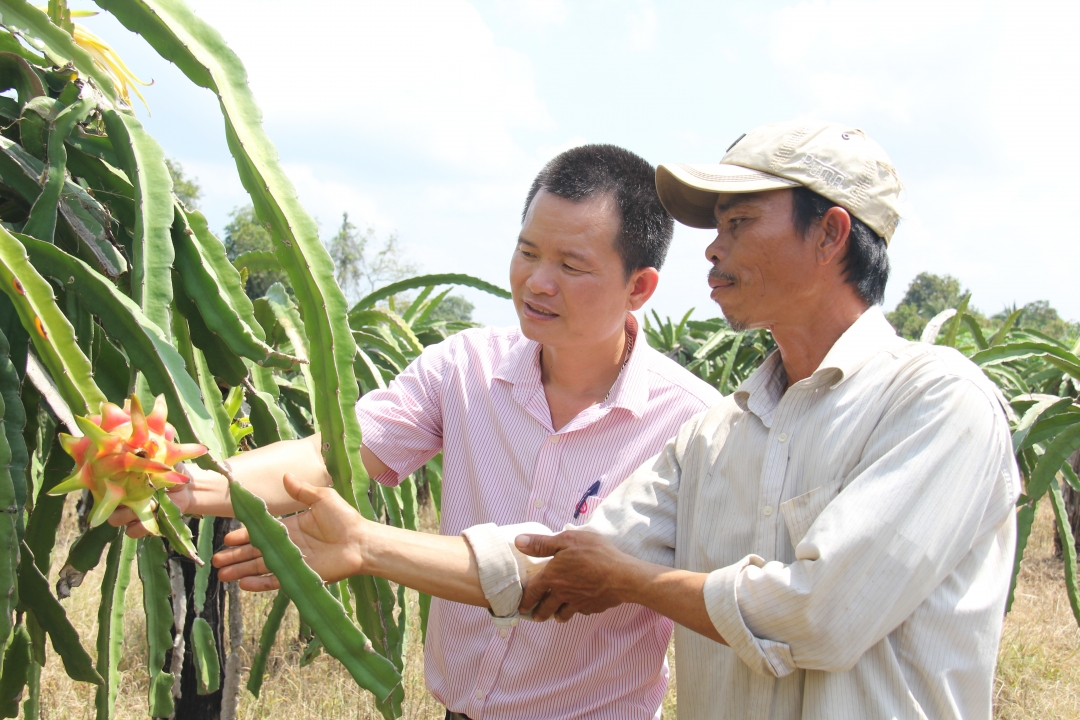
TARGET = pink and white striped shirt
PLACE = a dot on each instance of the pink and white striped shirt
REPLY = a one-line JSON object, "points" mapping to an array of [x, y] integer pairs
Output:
{"points": [[478, 398]]}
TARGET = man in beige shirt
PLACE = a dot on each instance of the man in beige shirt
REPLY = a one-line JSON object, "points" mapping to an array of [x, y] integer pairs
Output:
{"points": [[835, 539]]}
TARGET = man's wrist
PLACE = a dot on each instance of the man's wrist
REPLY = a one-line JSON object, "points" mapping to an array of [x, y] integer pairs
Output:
{"points": [[209, 492], [632, 579], [626, 579], [368, 545]]}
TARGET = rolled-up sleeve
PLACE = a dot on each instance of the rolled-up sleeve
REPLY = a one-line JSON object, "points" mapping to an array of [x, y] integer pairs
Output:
{"points": [[403, 424], [765, 657], [504, 570], [934, 480]]}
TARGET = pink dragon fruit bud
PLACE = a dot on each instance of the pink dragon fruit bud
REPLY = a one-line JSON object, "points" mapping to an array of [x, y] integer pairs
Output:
{"points": [[123, 457]]}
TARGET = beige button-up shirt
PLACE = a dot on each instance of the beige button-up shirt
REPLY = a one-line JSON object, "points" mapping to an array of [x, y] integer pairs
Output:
{"points": [[857, 527]]}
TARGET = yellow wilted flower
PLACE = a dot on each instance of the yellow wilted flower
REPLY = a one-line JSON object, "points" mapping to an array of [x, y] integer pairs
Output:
{"points": [[107, 59], [103, 55]]}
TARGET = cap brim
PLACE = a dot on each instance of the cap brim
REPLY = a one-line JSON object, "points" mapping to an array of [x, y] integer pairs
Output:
{"points": [[689, 192]]}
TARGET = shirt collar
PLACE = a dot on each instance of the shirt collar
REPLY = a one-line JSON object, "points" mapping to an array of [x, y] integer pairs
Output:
{"points": [[521, 368], [761, 392], [854, 348], [631, 388]]}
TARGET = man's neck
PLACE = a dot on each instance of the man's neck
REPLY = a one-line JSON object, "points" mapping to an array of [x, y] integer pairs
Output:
{"points": [[805, 342], [584, 370]]}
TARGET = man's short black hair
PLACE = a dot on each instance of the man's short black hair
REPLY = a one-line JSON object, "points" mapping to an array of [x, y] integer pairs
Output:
{"points": [[645, 226], [866, 264]]}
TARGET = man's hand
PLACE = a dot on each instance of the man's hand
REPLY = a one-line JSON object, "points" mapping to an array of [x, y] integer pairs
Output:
{"points": [[586, 575], [329, 534], [260, 471], [182, 495]]}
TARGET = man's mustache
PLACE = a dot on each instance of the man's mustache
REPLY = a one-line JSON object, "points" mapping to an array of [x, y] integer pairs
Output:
{"points": [[718, 275]]}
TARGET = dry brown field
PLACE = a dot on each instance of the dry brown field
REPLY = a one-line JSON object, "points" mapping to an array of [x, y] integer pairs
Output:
{"points": [[1038, 673]]}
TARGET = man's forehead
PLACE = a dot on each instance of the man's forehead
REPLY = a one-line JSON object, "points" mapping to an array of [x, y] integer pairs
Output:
{"points": [[726, 202]]}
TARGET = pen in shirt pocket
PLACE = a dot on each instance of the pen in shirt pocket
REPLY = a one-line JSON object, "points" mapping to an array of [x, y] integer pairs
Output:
{"points": [[583, 503]]}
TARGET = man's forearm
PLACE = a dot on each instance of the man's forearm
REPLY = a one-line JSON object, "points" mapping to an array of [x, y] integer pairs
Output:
{"points": [[438, 565], [260, 471], [675, 594]]}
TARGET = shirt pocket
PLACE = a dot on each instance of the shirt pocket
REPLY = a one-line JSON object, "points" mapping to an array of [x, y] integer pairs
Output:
{"points": [[801, 511], [588, 502]]}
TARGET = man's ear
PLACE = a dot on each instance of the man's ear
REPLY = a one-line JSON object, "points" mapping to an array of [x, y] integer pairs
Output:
{"points": [[833, 236], [642, 285]]}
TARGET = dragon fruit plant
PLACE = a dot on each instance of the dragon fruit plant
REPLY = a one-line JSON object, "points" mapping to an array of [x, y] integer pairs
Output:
{"points": [[111, 285]]}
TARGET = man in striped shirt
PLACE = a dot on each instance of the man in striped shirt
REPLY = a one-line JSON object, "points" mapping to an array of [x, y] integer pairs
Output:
{"points": [[834, 540], [537, 423]]}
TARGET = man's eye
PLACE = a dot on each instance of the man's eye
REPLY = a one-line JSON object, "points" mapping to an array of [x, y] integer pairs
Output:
{"points": [[571, 269]]}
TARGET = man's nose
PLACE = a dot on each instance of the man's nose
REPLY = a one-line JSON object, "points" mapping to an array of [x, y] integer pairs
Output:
{"points": [[715, 251], [541, 281]]}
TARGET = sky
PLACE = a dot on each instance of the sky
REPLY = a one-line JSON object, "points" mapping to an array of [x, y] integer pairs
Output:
{"points": [[429, 118]]}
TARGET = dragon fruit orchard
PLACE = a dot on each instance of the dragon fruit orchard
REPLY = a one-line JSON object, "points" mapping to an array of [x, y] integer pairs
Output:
{"points": [[124, 457]]}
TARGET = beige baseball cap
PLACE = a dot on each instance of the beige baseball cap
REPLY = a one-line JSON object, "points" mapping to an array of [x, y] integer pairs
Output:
{"points": [[836, 161]]}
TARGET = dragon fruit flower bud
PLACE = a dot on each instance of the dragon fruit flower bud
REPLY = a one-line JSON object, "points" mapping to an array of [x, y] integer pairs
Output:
{"points": [[123, 457]]}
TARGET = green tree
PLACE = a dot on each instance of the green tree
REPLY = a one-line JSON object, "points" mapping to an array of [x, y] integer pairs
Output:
{"points": [[1041, 316], [186, 189], [453, 308], [926, 296], [245, 234]]}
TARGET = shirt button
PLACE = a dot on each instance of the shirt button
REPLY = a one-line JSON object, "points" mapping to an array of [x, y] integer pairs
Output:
{"points": [[554, 439], [768, 510], [503, 632], [782, 437], [479, 694], [538, 503]]}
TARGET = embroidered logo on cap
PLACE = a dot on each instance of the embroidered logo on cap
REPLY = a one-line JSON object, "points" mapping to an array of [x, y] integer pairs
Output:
{"points": [[825, 173]]}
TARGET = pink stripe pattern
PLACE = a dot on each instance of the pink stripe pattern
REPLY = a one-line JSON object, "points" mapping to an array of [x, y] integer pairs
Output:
{"points": [[478, 398]]}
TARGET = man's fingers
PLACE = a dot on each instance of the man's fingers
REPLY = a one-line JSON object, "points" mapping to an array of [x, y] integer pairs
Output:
{"points": [[234, 555], [565, 613], [539, 545], [547, 607], [261, 583], [238, 537], [121, 516], [534, 592], [241, 570], [300, 490], [136, 530]]}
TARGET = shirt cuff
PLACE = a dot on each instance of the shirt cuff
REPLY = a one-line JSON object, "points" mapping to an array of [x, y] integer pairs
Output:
{"points": [[504, 570], [765, 657]]}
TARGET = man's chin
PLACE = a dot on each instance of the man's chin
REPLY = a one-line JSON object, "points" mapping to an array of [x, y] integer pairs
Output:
{"points": [[737, 324]]}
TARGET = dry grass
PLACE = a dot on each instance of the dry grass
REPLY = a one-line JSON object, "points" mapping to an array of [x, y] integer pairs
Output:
{"points": [[1038, 676]]}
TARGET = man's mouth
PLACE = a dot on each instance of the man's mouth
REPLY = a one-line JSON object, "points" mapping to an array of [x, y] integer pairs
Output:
{"points": [[540, 311], [720, 279]]}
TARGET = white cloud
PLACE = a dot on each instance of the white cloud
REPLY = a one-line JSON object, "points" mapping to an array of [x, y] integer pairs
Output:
{"points": [[642, 25], [977, 100], [326, 196], [538, 14], [426, 75]]}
